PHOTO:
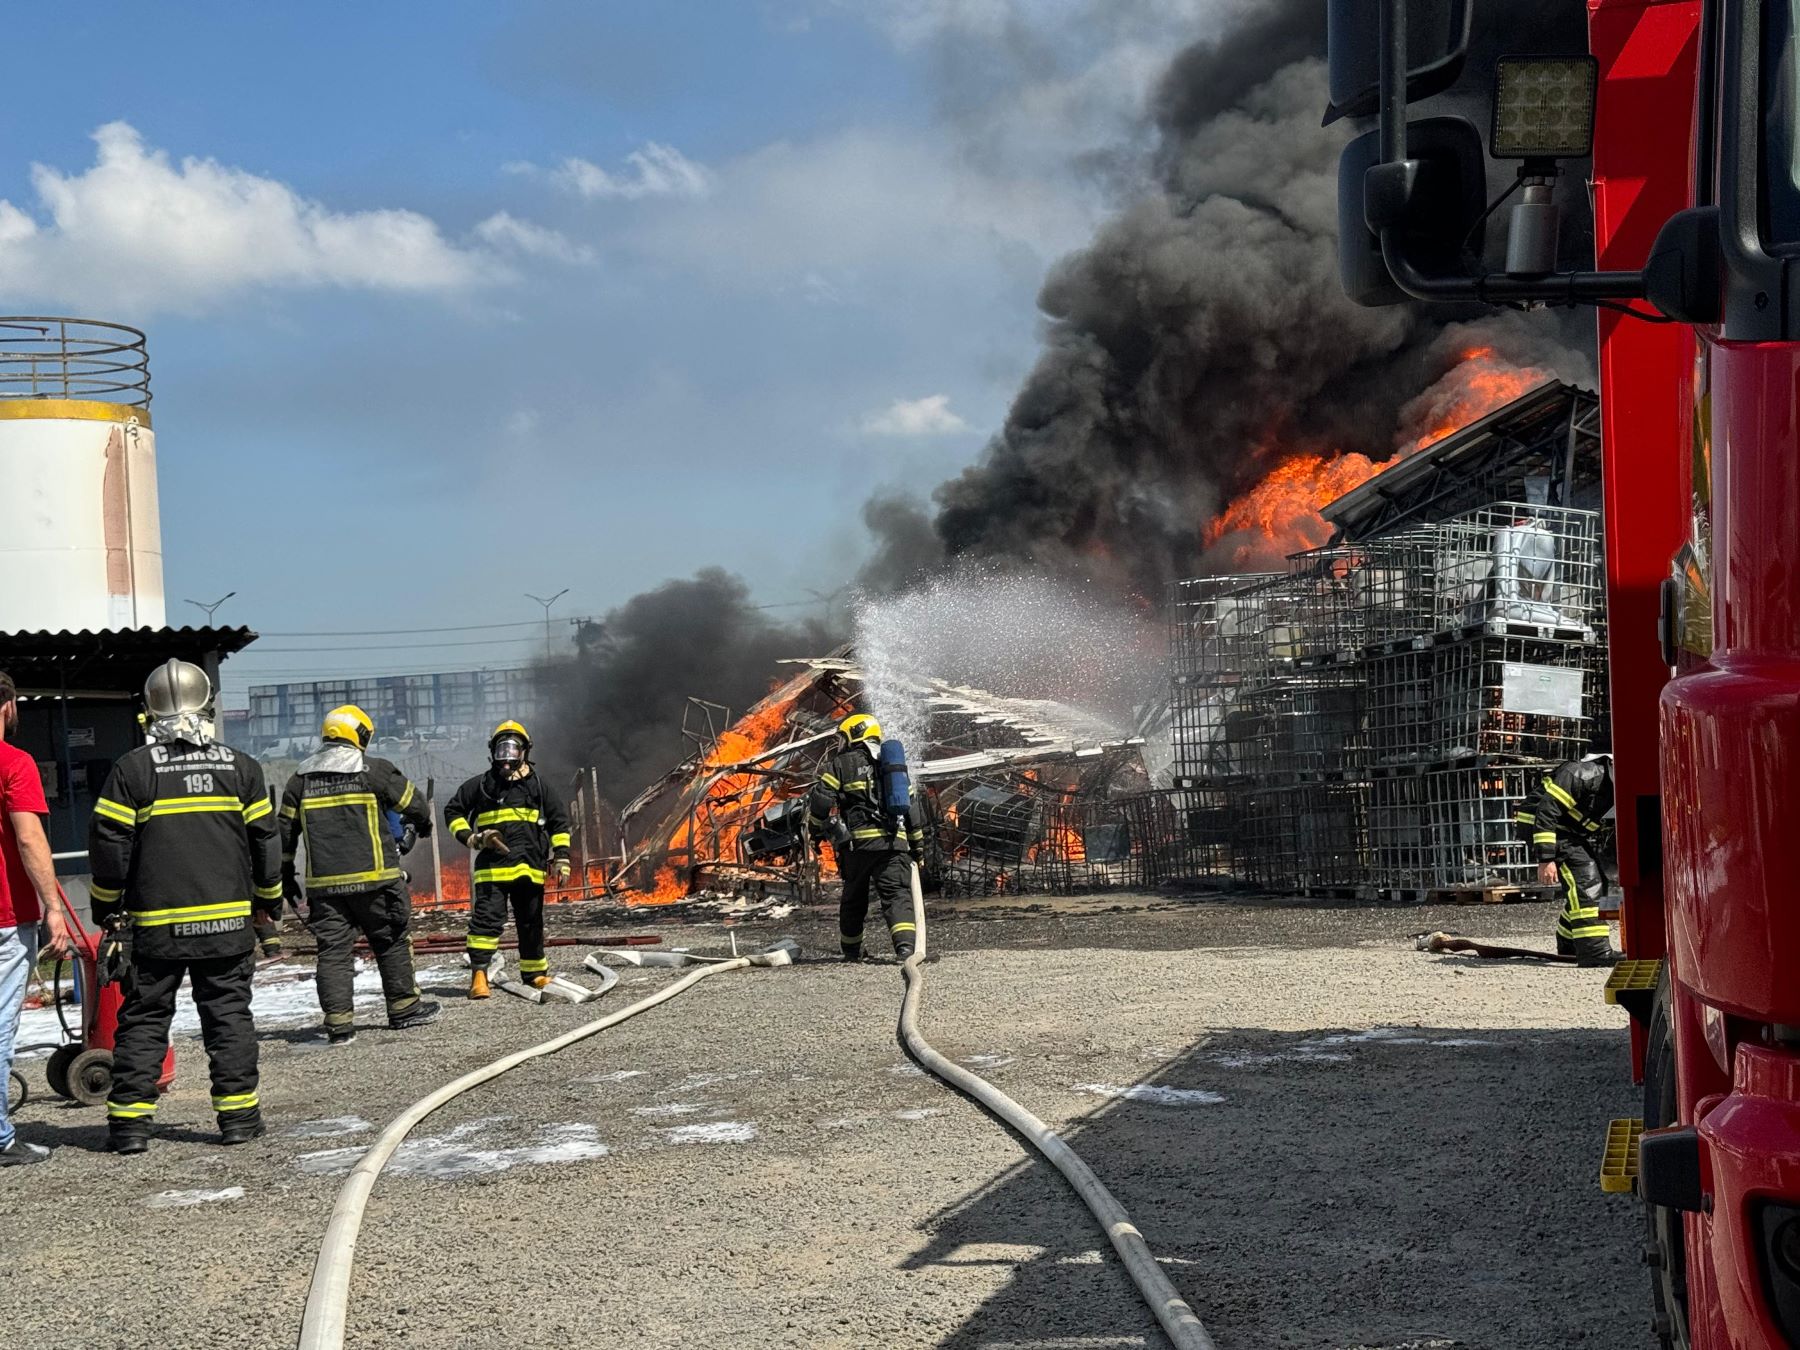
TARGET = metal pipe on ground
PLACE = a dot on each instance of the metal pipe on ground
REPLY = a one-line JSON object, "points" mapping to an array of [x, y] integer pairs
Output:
{"points": [[328, 1299], [1179, 1321]]}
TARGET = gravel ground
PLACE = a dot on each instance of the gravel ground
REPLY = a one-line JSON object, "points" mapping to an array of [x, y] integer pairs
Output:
{"points": [[1330, 1139]]}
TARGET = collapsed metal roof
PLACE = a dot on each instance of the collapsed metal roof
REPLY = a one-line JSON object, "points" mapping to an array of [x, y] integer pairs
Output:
{"points": [[1549, 435]]}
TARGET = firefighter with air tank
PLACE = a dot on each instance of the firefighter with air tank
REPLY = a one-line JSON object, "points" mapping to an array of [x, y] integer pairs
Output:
{"points": [[183, 851], [877, 846], [518, 828], [1569, 825], [338, 803]]}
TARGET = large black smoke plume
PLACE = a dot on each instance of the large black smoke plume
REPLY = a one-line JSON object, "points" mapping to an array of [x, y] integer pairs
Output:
{"points": [[1203, 336], [618, 705]]}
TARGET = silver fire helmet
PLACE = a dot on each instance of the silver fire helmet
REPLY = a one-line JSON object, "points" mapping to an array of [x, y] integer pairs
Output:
{"points": [[177, 687]]}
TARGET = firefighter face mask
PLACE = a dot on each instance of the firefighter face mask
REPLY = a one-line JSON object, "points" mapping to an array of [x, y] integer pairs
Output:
{"points": [[508, 755]]}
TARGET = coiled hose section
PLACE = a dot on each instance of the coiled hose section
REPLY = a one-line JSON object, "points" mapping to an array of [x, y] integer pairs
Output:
{"points": [[1179, 1321], [327, 1303]]}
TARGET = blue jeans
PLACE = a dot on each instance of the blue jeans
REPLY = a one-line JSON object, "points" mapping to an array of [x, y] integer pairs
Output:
{"points": [[18, 954]]}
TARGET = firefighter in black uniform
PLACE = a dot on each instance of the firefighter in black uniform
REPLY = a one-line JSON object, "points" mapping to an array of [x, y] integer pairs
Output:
{"points": [[877, 854], [183, 850], [1569, 823], [519, 829], [338, 802]]}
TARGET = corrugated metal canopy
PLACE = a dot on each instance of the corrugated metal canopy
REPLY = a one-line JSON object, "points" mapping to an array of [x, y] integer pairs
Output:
{"points": [[111, 661]]}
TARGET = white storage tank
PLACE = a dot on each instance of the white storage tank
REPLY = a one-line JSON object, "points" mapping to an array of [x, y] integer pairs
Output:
{"points": [[80, 534]]}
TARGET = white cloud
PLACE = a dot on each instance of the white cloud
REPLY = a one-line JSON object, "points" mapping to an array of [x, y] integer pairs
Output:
{"points": [[137, 230], [928, 416], [829, 216], [655, 171], [508, 233]]}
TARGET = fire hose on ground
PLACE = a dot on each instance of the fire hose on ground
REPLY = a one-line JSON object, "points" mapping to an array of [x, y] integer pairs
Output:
{"points": [[1179, 1321], [327, 1302]]}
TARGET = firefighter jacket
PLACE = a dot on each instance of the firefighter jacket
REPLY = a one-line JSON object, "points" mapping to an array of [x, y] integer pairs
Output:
{"points": [[338, 802], [1570, 809], [183, 840], [849, 782], [530, 816]]}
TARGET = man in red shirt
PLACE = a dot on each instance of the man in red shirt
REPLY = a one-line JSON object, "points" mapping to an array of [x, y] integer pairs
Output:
{"points": [[27, 892]]}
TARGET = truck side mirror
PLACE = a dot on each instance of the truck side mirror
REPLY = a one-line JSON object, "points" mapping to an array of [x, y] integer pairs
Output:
{"points": [[1441, 197], [1685, 274], [1437, 41]]}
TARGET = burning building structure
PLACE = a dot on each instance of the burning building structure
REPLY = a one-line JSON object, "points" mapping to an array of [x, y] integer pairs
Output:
{"points": [[1019, 796], [1369, 719]]}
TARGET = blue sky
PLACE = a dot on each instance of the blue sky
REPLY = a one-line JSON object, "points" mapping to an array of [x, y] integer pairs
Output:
{"points": [[449, 303]]}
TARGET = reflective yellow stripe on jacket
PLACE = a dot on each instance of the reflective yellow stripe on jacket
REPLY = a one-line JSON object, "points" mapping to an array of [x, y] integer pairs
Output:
{"points": [[523, 815], [517, 872], [372, 809], [161, 918], [113, 811]]}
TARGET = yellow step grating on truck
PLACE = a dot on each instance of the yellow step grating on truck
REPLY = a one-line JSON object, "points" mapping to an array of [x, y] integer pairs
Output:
{"points": [[1619, 1160], [1632, 977]]}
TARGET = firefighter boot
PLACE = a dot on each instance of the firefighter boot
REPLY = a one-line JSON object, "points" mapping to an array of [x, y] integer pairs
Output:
{"points": [[240, 1127], [127, 1139], [422, 1013], [478, 984], [1595, 952]]}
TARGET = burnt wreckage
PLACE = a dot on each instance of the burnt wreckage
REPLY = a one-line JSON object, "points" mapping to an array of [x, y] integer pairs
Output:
{"points": [[1019, 796]]}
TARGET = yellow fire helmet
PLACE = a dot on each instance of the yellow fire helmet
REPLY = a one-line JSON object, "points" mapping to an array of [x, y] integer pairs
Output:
{"points": [[349, 724], [510, 728], [860, 729]]}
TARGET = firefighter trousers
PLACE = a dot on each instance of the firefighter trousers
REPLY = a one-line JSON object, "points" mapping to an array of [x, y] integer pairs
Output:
{"points": [[886, 874], [382, 915], [221, 987], [487, 919], [1580, 931]]}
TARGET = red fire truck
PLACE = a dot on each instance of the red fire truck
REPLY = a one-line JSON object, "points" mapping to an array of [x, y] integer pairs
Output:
{"points": [[1690, 111]]}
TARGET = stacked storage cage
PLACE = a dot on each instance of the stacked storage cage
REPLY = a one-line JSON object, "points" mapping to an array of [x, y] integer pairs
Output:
{"points": [[1217, 647], [1516, 605], [1372, 719]]}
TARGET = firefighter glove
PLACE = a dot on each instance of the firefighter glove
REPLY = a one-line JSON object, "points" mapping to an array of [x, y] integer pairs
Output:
{"points": [[563, 871], [489, 840]]}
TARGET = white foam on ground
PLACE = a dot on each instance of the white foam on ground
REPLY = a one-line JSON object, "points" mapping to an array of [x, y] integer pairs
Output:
{"points": [[695, 1081], [283, 995], [333, 1128], [667, 1109], [185, 1199], [616, 1076], [1153, 1093], [989, 1061], [903, 1070], [453, 1154], [920, 1113], [714, 1132], [1335, 1048]]}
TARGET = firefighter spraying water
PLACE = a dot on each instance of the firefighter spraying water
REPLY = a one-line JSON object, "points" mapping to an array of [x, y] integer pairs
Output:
{"points": [[865, 782]]}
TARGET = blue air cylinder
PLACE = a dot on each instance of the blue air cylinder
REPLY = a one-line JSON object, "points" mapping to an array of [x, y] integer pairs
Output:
{"points": [[896, 782]]}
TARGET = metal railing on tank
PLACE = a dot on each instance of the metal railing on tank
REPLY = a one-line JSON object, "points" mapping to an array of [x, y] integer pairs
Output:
{"points": [[44, 357]]}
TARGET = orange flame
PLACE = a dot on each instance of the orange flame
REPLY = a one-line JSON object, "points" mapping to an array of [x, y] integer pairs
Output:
{"points": [[1060, 843], [1280, 515], [1479, 383]]}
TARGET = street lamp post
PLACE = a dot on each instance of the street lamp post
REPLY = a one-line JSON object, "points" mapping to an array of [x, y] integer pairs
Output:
{"points": [[546, 604], [201, 604]]}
